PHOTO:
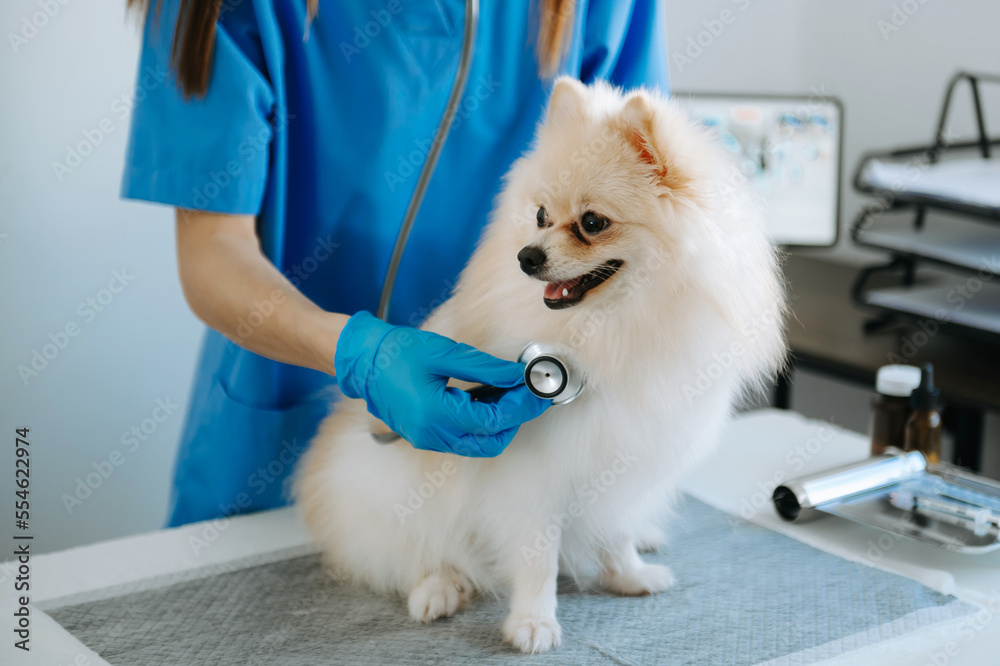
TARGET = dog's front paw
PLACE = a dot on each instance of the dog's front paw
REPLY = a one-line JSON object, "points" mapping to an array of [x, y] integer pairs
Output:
{"points": [[531, 633], [647, 579], [439, 596]]}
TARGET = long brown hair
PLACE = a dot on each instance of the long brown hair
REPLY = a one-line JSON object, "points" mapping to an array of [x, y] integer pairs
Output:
{"points": [[194, 37]]}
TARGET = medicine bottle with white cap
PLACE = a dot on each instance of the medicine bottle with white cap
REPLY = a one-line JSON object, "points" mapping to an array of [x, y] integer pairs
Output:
{"points": [[891, 407]]}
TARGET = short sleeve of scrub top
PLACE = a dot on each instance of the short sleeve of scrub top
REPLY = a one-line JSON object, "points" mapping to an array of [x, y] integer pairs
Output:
{"points": [[204, 154], [321, 136]]}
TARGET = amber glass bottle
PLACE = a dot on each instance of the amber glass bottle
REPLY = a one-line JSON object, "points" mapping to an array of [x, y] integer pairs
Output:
{"points": [[891, 406], [923, 429]]}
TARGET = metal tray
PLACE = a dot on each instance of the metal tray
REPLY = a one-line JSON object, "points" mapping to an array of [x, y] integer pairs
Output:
{"points": [[876, 492]]}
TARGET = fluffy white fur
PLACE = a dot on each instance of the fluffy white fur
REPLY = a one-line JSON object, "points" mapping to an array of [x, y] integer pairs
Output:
{"points": [[691, 319]]}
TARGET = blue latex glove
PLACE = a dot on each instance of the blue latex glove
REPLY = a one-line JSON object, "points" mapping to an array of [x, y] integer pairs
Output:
{"points": [[402, 374]]}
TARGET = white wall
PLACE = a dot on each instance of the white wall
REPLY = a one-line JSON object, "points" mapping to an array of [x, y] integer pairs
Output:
{"points": [[60, 240], [63, 238]]}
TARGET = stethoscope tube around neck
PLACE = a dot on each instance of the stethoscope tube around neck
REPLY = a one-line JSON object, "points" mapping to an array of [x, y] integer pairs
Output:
{"points": [[457, 88]]}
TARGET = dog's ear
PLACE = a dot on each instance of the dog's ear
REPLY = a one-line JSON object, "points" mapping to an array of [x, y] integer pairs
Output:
{"points": [[567, 102], [637, 127]]}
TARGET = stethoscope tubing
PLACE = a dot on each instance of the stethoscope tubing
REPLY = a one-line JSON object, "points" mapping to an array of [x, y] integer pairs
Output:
{"points": [[457, 88]]}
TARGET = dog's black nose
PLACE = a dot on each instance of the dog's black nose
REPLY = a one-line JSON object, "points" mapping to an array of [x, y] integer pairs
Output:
{"points": [[531, 259]]}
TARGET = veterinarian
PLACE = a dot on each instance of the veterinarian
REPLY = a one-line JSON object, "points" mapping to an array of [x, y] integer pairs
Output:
{"points": [[290, 147]]}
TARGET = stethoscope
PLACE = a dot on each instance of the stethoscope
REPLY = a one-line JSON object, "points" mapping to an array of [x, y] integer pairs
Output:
{"points": [[546, 373]]}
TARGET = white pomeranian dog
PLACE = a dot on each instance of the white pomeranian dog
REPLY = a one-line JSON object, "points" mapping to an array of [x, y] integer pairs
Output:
{"points": [[628, 237]]}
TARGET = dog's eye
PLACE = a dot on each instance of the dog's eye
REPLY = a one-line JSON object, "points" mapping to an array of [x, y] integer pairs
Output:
{"points": [[542, 217], [592, 223]]}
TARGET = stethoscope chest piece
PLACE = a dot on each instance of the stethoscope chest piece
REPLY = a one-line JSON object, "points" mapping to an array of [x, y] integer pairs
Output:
{"points": [[548, 376]]}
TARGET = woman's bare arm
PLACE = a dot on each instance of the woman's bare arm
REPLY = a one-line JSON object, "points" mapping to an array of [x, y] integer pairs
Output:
{"points": [[233, 288]]}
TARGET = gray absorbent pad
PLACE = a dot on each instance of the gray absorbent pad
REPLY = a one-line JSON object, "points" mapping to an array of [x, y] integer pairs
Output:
{"points": [[744, 595]]}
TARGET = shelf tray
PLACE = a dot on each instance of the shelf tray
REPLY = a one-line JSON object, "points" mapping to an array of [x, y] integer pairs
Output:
{"points": [[963, 176], [957, 302], [951, 240], [971, 182]]}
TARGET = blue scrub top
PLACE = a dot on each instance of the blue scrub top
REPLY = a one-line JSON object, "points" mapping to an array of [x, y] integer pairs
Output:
{"points": [[321, 133]]}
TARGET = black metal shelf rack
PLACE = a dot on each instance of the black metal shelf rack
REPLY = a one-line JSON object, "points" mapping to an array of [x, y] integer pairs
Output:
{"points": [[906, 253]]}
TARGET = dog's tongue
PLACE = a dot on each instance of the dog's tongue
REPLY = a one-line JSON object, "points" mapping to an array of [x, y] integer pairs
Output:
{"points": [[557, 290]]}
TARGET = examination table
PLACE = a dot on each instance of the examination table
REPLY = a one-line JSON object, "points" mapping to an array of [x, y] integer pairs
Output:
{"points": [[751, 589]]}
